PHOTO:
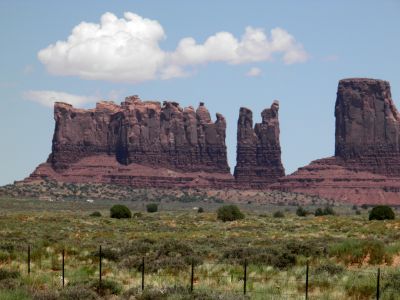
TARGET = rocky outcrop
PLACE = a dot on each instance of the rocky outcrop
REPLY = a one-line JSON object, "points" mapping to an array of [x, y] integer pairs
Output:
{"points": [[147, 133], [258, 149], [366, 165], [143, 136]]}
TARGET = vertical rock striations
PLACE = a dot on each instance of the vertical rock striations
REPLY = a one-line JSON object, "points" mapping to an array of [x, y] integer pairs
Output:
{"points": [[367, 126], [143, 136], [258, 149], [366, 165]]}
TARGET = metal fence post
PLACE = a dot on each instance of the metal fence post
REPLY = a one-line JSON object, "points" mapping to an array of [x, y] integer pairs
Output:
{"points": [[378, 283], [307, 280], [245, 277], [192, 277], [142, 273], [29, 259], [63, 267], [100, 254]]}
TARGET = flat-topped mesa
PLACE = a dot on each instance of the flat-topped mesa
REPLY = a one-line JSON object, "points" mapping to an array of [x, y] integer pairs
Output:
{"points": [[142, 132], [258, 160], [367, 126]]}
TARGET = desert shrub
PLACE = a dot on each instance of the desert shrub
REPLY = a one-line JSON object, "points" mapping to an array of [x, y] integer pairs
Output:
{"points": [[391, 283], [330, 268], [200, 210], [318, 212], [358, 212], [229, 213], [278, 214], [170, 255], [45, 295], [328, 210], [381, 212], [6, 274], [137, 215], [354, 207], [152, 207], [119, 211], [108, 253], [358, 251], [301, 212], [4, 256], [95, 214], [364, 206], [108, 287], [77, 292], [361, 286], [271, 256]]}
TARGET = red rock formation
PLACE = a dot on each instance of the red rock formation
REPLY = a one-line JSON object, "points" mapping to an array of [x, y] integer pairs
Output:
{"points": [[258, 149], [133, 138], [366, 165]]}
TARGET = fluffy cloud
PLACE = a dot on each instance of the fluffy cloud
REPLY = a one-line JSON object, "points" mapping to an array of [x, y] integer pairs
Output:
{"points": [[254, 72], [47, 98], [127, 49]]}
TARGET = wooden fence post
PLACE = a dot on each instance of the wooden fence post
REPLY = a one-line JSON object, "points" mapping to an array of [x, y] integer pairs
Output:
{"points": [[142, 273], [29, 259], [63, 267], [245, 277], [192, 277], [307, 280], [100, 254], [378, 278]]}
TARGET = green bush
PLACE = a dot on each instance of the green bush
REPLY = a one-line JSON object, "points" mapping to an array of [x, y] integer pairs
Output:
{"points": [[278, 214], [229, 213], [200, 210], [381, 212], [152, 207], [95, 214], [301, 212], [328, 210], [120, 212]]}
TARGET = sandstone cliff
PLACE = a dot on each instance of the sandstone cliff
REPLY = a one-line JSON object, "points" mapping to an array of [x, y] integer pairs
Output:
{"points": [[137, 143], [258, 161], [366, 165], [147, 133]]}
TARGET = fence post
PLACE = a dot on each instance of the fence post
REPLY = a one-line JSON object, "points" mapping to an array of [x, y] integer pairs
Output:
{"points": [[307, 280], [29, 259], [192, 277], [142, 273], [378, 283], [63, 267], [245, 277], [100, 254]]}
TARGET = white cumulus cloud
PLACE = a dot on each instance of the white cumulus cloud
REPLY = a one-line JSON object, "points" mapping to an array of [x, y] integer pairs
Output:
{"points": [[47, 98], [127, 49], [254, 72]]}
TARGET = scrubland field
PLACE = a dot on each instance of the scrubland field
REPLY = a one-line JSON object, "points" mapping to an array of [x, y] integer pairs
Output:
{"points": [[344, 252]]}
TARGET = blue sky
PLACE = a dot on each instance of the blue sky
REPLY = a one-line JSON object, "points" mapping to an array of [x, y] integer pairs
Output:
{"points": [[335, 39]]}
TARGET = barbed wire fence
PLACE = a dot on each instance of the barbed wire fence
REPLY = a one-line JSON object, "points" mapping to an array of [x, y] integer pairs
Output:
{"points": [[243, 282]]}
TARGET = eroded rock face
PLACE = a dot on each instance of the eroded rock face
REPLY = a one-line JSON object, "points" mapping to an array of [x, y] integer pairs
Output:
{"points": [[366, 165], [258, 149], [140, 132], [367, 126]]}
